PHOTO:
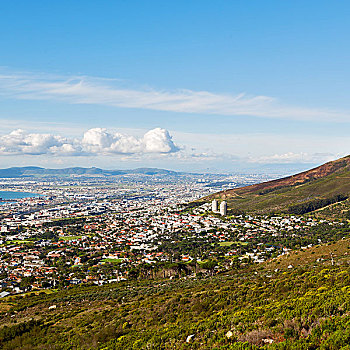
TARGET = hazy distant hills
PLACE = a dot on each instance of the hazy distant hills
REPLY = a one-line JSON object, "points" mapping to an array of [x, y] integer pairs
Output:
{"points": [[30, 171], [304, 192]]}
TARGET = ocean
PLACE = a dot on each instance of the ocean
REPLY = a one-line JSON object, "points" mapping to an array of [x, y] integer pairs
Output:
{"points": [[16, 195]]}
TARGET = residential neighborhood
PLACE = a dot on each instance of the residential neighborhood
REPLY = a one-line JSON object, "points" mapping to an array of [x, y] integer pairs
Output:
{"points": [[73, 231]]}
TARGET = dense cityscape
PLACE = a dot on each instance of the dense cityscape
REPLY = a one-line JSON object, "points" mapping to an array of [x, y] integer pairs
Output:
{"points": [[103, 230]]}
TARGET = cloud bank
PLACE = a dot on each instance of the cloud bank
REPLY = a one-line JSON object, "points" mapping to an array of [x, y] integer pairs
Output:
{"points": [[96, 141], [108, 92]]}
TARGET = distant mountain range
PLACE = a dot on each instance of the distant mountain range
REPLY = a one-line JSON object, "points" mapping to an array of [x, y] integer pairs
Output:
{"points": [[29, 171], [301, 193]]}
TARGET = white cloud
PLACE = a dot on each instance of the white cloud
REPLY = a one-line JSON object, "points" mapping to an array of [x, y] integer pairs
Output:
{"points": [[158, 141], [96, 141], [20, 142], [87, 90]]}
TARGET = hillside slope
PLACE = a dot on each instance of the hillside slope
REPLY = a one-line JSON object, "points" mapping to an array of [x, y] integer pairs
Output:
{"points": [[300, 193], [268, 306]]}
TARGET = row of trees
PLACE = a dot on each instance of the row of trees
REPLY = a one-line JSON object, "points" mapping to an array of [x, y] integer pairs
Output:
{"points": [[307, 207]]}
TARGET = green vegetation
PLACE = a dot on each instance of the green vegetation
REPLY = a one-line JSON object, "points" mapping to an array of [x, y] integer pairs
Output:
{"points": [[70, 238], [110, 260], [229, 244], [19, 242], [306, 307], [298, 194], [303, 208], [226, 244]]}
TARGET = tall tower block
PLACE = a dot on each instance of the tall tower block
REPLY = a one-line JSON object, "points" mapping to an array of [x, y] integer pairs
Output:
{"points": [[223, 208], [214, 206]]}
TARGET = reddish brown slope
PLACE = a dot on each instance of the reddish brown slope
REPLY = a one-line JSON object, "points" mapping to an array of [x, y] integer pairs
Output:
{"points": [[306, 176]]}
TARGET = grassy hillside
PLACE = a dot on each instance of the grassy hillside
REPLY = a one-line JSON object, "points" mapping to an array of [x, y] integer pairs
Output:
{"points": [[301, 193], [268, 306]]}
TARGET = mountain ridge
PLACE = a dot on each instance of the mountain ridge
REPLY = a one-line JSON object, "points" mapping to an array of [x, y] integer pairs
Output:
{"points": [[15, 172], [324, 182]]}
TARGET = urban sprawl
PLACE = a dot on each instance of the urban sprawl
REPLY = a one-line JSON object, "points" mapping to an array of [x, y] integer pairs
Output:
{"points": [[108, 229]]}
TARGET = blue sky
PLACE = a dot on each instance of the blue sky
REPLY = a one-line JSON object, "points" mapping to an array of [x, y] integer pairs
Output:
{"points": [[219, 86]]}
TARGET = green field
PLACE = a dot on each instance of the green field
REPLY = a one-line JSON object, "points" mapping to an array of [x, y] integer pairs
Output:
{"points": [[228, 244], [112, 260], [70, 238], [16, 241]]}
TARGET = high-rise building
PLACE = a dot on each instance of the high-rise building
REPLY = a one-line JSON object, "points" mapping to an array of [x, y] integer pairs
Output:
{"points": [[214, 206], [223, 208]]}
